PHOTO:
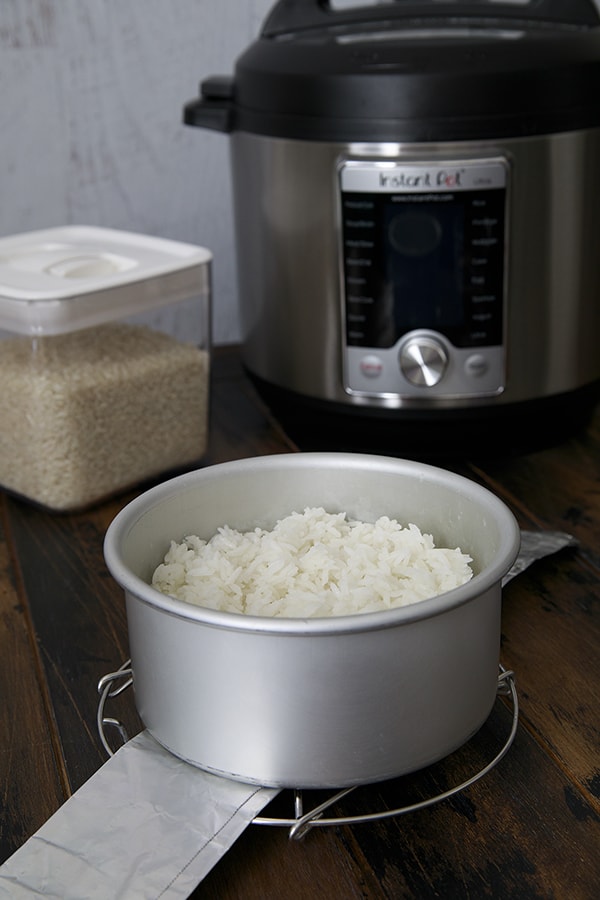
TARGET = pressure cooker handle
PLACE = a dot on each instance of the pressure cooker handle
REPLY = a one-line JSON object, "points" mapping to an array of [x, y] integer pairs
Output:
{"points": [[288, 16], [214, 109]]}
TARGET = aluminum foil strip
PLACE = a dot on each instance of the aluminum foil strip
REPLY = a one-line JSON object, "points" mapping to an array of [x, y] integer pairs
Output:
{"points": [[146, 825], [536, 545]]}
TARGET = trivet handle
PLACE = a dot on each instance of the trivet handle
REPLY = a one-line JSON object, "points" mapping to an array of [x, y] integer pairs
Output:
{"points": [[106, 689]]}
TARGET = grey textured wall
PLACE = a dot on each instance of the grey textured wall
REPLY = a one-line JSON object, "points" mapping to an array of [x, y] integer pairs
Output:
{"points": [[91, 98]]}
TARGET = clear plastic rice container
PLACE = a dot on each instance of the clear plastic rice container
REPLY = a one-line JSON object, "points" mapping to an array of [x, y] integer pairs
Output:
{"points": [[104, 362]]}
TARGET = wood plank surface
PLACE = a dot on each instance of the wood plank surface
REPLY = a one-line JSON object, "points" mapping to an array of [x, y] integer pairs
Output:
{"points": [[78, 614], [27, 738], [551, 626], [557, 488]]}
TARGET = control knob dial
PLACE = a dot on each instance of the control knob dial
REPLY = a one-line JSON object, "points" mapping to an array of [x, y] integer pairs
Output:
{"points": [[423, 360]]}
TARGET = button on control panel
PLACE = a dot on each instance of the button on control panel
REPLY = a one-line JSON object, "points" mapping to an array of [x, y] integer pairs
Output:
{"points": [[476, 365], [371, 366]]}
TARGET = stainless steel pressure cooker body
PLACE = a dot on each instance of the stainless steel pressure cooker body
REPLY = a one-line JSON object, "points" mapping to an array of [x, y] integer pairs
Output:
{"points": [[417, 205]]}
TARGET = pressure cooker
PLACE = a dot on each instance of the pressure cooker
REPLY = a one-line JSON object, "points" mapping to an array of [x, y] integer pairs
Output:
{"points": [[417, 208]]}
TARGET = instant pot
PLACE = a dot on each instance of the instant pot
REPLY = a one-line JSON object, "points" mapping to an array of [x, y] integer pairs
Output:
{"points": [[417, 209]]}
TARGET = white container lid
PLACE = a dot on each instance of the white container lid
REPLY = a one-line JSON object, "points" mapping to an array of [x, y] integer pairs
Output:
{"points": [[62, 279]]}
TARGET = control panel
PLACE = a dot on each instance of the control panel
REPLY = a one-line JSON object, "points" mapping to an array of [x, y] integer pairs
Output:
{"points": [[423, 257]]}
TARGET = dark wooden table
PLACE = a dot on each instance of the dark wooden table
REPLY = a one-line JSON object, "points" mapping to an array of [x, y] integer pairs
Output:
{"points": [[530, 828]]}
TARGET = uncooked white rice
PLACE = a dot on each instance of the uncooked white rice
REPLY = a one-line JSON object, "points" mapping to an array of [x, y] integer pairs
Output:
{"points": [[89, 413], [311, 564]]}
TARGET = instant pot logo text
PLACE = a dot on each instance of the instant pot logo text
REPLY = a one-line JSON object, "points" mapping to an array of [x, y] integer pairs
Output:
{"points": [[434, 178]]}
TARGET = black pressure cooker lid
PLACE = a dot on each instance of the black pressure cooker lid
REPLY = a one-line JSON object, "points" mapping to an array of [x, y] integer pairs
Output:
{"points": [[432, 70]]}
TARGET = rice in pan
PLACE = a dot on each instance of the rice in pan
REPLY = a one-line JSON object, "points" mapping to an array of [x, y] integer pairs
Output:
{"points": [[311, 564]]}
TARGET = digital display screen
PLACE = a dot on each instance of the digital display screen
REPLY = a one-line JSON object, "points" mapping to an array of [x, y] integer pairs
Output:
{"points": [[424, 261]]}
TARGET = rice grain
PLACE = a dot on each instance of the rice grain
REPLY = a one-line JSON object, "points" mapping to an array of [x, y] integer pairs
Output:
{"points": [[311, 564], [89, 413]]}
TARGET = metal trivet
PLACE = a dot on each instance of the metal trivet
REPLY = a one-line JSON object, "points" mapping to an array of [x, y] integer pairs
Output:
{"points": [[302, 821]]}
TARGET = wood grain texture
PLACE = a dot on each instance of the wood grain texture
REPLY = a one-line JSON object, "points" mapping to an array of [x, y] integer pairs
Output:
{"points": [[557, 487], [79, 620], [551, 638], [27, 737], [551, 623]]}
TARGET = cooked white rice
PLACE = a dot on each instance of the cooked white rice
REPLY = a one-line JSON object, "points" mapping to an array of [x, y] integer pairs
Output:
{"points": [[311, 564]]}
